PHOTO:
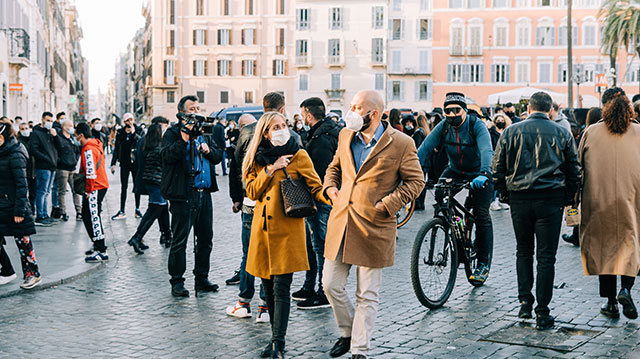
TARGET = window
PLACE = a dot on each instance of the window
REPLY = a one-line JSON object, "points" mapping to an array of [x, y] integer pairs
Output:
{"points": [[377, 51], [562, 35], [377, 17], [336, 82], [590, 3], [248, 97], [397, 29], [378, 82], [200, 68], [303, 82], [423, 91], [172, 42], [396, 61], [633, 75], [454, 72], [171, 96], [302, 52], [280, 41], [224, 67], [248, 7], [476, 73], [425, 5], [397, 5], [278, 67], [545, 35], [248, 67], [523, 33], [500, 3], [544, 73], [544, 3], [248, 36], [457, 39], [199, 7], [397, 90], [475, 40], [199, 37], [224, 37], [224, 96], [335, 18], [501, 34], [500, 73], [522, 72], [475, 4], [424, 61], [172, 12], [280, 7], [425, 32], [522, 4], [589, 35], [224, 7], [170, 72], [302, 19], [334, 51], [455, 4], [588, 73]]}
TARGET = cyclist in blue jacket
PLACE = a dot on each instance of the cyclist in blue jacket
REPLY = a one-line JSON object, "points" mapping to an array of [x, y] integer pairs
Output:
{"points": [[467, 143]]}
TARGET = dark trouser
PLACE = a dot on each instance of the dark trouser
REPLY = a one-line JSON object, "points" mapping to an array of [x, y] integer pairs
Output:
{"points": [[197, 213], [155, 211], [6, 269], [277, 292], [247, 281], [541, 218], [420, 200], [315, 242], [481, 201], [124, 183], [608, 285], [310, 275], [91, 212]]}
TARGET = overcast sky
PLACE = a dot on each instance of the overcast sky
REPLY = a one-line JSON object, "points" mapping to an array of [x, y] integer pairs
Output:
{"points": [[108, 26]]}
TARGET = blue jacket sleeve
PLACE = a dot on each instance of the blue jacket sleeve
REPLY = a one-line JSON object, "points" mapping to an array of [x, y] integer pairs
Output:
{"points": [[429, 144], [483, 139]]}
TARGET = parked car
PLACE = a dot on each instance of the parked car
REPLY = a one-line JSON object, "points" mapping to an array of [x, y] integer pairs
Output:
{"points": [[234, 113]]}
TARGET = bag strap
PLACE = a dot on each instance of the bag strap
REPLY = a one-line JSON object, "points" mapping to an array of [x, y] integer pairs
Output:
{"points": [[287, 174]]}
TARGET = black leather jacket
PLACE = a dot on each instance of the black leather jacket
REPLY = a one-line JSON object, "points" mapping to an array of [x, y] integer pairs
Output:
{"points": [[536, 156]]}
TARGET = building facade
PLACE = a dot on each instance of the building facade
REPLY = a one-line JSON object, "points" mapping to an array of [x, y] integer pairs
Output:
{"points": [[483, 47]]}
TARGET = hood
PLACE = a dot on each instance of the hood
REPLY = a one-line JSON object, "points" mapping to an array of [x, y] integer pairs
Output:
{"points": [[11, 146], [324, 126], [93, 144]]}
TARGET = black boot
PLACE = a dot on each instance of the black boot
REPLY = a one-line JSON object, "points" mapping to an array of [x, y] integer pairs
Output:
{"points": [[56, 213], [143, 246], [165, 239], [266, 352], [277, 350], [178, 290], [135, 243]]}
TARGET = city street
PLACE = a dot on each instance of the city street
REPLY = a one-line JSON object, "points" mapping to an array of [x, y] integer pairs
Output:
{"points": [[125, 309]]}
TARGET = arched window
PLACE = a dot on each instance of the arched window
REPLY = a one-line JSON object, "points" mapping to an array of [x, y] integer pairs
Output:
{"points": [[545, 32], [456, 42], [589, 31], [501, 32], [475, 29], [562, 33], [523, 32]]}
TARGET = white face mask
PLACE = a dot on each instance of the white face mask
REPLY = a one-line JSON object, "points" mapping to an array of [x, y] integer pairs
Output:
{"points": [[299, 126], [70, 131], [98, 127], [25, 133], [280, 137], [48, 125], [353, 121]]}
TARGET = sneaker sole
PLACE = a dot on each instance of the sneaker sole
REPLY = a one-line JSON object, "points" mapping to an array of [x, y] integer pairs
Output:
{"points": [[8, 279], [240, 316], [315, 307], [262, 321], [31, 286], [299, 299]]}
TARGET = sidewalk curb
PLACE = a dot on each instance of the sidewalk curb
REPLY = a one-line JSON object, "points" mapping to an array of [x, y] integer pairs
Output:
{"points": [[66, 276]]}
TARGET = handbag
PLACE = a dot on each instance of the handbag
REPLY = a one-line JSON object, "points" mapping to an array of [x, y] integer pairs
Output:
{"points": [[572, 216], [297, 198], [80, 181]]}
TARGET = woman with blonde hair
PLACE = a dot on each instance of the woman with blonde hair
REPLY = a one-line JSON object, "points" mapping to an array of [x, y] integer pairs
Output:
{"points": [[610, 202], [278, 243]]}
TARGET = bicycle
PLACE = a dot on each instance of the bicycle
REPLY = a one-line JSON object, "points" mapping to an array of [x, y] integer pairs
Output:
{"points": [[404, 214], [441, 244]]}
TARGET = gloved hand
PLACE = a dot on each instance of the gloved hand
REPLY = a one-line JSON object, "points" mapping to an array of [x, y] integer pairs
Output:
{"points": [[479, 182]]}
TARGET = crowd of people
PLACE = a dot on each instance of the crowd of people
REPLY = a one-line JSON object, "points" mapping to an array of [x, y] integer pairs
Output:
{"points": [[358, 171]]}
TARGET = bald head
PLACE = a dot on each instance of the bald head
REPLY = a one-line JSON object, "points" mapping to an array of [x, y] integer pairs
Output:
{"points": [[368, 100], [245, 119]]}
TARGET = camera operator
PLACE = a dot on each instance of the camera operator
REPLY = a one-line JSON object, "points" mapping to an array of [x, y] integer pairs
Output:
{"points": [[187, 182]]}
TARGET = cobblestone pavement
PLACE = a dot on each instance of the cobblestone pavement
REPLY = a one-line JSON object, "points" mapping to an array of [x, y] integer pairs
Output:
{"points": [[125, 309]]}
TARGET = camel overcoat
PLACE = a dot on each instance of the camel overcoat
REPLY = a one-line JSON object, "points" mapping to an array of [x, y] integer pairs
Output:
{"points": [[391, 174], [278, 243], [610, 201]]}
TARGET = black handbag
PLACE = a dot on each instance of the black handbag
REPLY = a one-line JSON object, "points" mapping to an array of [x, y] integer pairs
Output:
{"points": [[297, 198], [80, 181]]}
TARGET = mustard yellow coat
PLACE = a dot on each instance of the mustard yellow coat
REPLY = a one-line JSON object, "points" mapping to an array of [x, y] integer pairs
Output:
{"points": [[278, 243]]}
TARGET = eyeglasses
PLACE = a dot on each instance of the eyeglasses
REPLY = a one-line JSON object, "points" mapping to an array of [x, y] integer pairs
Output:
{"points": [[452, 110]]}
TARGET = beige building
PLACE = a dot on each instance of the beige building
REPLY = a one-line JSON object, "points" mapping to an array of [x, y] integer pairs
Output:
{"points": [[226, 52]]}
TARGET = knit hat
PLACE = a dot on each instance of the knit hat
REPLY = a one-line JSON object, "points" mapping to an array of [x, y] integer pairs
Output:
{"points": [[455, 98]]}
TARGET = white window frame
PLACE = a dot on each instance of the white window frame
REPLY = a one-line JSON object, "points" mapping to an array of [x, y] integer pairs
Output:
{"points": [[302, 82], [228, 96], [224, 37], [523, 24], [549, 35], [302, 57], [303, 20], [498, 24], [244, 97], [427, 95], [457, 24], [377, 17], [336, 18], [378, 81], [540, 79], [224, 67], [456, 76], [200, 67], [334, 51], [397, 5], [248, 34], [249, 66], [377, 50], [520, 78], [475, 49], [589, 22], [200, 36], [335, 81], [502, 68], [280, 65]]}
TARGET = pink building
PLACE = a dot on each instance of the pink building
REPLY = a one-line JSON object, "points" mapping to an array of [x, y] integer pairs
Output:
{"points": [[482, 47]]}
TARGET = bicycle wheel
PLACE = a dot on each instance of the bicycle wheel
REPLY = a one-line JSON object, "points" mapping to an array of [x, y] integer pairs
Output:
{"points": [[404, 214], [471, 258], [434, 264]]}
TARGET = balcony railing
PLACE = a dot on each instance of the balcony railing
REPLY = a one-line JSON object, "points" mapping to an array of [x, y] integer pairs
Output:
{"points": [[475, 50], [456, 50], [335, 93], [302, 60], [19, 50], [335, 60]]}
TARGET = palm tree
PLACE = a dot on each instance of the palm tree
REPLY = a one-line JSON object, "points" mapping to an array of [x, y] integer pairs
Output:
{"points": [[621, 27]]}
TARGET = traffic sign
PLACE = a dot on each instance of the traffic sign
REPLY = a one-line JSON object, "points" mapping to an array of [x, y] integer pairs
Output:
{"points": [[601, 80]]}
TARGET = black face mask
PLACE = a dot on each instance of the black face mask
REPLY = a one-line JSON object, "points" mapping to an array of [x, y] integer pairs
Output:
{"points": [[510, 114], [500, 125], [454, 121], [366, 122]]}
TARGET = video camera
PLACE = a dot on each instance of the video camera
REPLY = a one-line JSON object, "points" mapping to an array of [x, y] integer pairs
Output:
{"points": [[201, 124]]}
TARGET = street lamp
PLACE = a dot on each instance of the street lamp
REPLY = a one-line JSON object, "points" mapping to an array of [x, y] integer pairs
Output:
{"points": [[611, 77], [578, 80]]}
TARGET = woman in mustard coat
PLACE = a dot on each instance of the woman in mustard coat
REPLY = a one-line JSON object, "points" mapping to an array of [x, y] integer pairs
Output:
{"points": [[278, 243]]}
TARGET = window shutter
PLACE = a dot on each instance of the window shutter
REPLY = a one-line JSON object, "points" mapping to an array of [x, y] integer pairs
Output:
{"points": [[562, 36], [560, 73], [274, 67], [599, 68], [430, 33], [539, 36], [243, 70], [423, 59], [194, 37], [389, 91], [373, 17], [401, 90], [574, 33], [416, 85], [429, 91], [493, 72], [206, 37], [507, 77], [465, 73], [403, 30], [330, 18], [390, 29], [481, 73], [553, 37], [449, 73], [418, 28], [194, 68]]}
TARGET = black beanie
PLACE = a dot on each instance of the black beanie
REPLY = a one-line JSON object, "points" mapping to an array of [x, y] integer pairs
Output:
{"points": [[455, 98]]}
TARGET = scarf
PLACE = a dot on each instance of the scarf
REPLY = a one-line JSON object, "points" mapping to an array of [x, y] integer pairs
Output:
{"points": [[267, 154]]}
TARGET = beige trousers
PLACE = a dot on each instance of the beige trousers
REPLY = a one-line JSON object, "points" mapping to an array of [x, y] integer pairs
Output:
{"points": [[357, 322]]}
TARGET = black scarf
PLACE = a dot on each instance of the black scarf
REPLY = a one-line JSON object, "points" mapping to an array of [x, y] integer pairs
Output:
{"points": [[267, 154]]}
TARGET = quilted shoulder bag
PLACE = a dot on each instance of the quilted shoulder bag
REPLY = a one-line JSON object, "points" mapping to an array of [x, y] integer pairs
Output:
{"points": [[297, 198]]}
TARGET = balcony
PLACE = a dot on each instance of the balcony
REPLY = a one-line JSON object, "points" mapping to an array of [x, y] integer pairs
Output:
{"points": [[456, 50], [303, 60], [378, 60], [475, 50], [19, 51], [335, 94], [335, 61]]}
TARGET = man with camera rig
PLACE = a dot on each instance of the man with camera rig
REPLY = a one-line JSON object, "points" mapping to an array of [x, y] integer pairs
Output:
{"points": [[188, 158]]}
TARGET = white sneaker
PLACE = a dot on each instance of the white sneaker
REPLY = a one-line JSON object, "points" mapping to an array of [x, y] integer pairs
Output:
{"points": [[30, 282], [7, 279], [505, 206], [263, 314], [495, 206], [240, 310]]}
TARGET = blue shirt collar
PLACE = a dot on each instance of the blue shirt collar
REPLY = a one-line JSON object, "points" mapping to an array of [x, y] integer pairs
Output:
{"points": [[376, 136]]}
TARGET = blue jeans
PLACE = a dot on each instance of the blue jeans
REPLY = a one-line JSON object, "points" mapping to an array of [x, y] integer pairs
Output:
{"points": [[247, 281], [318, 226], [44, 181], [54, 192]]}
